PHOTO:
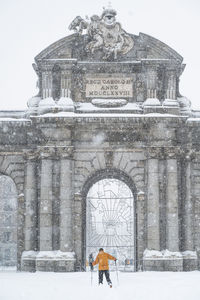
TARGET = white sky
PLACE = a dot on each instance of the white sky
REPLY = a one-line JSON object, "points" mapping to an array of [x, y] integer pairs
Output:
{"points": [[29, 26]]}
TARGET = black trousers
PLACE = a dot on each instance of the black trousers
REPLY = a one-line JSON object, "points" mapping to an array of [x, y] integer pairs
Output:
{"points": [[106, 272]]}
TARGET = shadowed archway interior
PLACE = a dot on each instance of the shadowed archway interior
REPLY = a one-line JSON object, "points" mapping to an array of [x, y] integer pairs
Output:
{"points": [[8, 221]]}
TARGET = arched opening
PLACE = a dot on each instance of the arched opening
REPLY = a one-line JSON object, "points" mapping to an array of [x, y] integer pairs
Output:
{"points": [[8, 222], [110, 219]]}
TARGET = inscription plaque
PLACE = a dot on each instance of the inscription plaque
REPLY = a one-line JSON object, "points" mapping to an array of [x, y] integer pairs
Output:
{"points": [[107, 87]]}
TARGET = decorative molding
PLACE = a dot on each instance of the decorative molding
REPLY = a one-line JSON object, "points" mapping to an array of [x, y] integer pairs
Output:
{"points": [[154, 153], [55, 152], [164, 153], [47, 152], [65, 152], [31, 155]]}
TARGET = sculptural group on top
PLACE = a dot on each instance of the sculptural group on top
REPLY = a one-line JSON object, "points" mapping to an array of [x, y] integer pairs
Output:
{"points": [[105, 34]]}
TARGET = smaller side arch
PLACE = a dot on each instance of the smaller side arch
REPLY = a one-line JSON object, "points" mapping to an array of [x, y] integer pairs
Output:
{"points": [[8, 221], [20, 213]]}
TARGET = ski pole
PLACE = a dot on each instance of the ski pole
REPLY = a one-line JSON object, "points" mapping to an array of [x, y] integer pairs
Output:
{"points": [[117, 272], [91, 266], [91, 276]]}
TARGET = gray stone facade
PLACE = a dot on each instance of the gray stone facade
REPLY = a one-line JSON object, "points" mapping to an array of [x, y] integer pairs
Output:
{"points": [[105, 111]]}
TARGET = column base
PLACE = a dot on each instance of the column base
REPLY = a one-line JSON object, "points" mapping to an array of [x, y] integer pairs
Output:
{"points": [[162, 261], [190, 261], [171, 106], [55, 261], [28, 261], [48, 261]]}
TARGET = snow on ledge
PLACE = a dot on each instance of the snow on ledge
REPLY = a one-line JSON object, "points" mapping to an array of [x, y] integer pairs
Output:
{"points": [[5, 268], [55, 255], [165, 254], [29, 254], [151, 102], [152, 254], [189, 254], [193, 120], [105, 115], [168, 254], [14, 119], [48, 255], [89, 107]]}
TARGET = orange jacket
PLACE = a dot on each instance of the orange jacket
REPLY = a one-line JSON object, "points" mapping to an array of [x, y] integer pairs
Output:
{"points": [[102, 260]]}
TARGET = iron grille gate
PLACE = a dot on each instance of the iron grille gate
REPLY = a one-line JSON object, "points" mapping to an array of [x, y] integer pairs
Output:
{"points": [[110, 222]]}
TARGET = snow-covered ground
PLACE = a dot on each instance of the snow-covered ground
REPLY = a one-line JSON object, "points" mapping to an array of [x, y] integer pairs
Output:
{"points": [[77, 286]]}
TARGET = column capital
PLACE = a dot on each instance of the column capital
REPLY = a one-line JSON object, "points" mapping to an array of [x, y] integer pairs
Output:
{"points": [[172, 152], [154, 153], [189, 155], [47, 152], [166, 153], [31, 155], [65, 151]]}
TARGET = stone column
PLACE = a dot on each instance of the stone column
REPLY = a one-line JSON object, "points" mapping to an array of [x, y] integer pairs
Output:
{"points": [[31, 217], [31, 204], [152, 103], [66, 200], [171, 85], [153, 231], [46, 199], [151, 256], [172, 228], [170, 96], [188, 211], [46, 84], [66, 210], [190, 261], [151, 83]]}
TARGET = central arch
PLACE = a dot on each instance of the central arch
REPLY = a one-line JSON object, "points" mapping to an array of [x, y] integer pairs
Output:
{"points": [[109, 217]]}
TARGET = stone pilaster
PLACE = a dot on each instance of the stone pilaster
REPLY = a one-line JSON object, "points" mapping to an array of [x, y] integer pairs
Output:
{"points": [[47, 84], [152, 103], [66, 209], [151, 83], [171, 85], [140, 228], [173, 258], [172, 230], [66, 199], [152, 262], [65, 84], [153, 230], [44, 258], [188, 211], [170, 103], [28, 256], [189, 255], [46, 198]]}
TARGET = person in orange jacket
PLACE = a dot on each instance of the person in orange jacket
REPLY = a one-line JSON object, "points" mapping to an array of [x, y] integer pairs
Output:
{"points": [[102, 259]]}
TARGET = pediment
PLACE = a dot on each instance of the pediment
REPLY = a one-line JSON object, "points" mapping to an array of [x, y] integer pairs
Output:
{"points": [[157, 49], [74, 47]]}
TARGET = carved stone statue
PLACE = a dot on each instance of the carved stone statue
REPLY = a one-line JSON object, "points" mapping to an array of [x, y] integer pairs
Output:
{"points": [[105, 34], [78, 24]]}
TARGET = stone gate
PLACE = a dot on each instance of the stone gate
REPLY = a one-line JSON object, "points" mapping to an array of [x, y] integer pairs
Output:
{"points": [[108, 107]]}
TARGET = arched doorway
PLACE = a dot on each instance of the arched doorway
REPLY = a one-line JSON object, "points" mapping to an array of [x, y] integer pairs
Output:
{"points": [[110, 221], [8, 222]]}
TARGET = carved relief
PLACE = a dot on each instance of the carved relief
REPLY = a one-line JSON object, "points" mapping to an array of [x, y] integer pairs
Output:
{"points": [[108, 158]]}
